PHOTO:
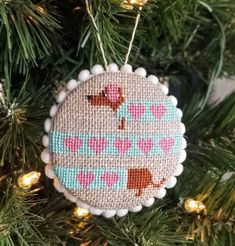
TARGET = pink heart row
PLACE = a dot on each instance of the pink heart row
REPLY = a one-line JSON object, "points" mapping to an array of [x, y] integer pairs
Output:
{"points": [[137, 110], [86, 178], [122, 145]]}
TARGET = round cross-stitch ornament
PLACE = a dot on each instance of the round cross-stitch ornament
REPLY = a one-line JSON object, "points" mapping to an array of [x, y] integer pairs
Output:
{"points": [[115, 140]]}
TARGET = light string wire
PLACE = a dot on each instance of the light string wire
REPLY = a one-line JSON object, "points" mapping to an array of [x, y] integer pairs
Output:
{"points": [[133, 35], [88, 7]]}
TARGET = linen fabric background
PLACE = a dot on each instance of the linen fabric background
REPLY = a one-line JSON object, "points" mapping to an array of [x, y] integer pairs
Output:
{"points": [[114, 157]]}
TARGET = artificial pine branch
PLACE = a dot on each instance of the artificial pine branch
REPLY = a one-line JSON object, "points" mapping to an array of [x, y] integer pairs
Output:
{"points": [[28, 33], [22, 114]]}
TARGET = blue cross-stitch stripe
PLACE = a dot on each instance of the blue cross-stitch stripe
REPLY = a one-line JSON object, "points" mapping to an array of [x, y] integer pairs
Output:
{"points": [[170, 112], [57, 144], [76, 178]]}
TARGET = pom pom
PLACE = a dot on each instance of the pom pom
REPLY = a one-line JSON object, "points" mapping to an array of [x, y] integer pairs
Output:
{"points": [[59, 187], [149, 202], [72, 84], [49, 171], [136, 209], [183, 156], [178, 170], [69, 196], [180, 113], [97, 69], [160, 193], [153, 79], [112, 67], [171, 182], [46, 156], [95, 211], [109, 213], [53, 110], [47, 125], [182, 128], [84, 75], [61, 96], [184, 143], [45, 141], [141, 72], [82, 204], [173, 100], [127, 68], [164, 89], [122, 212]]}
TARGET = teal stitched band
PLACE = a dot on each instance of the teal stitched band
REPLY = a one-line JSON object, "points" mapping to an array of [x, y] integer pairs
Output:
{"points": [[91, 178], [113, 144], [148, 111]]}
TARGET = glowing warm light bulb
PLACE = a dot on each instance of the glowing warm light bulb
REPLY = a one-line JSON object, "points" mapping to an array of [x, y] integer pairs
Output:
{"points": [[128, 4], [81, 212], [29, 179], [191, 206], [40, 9]]}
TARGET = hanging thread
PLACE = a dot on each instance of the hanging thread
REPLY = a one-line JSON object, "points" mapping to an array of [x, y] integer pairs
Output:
{"points": [[133, 35], [97, 34]]}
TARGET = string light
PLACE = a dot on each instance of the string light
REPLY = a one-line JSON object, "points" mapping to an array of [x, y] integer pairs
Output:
{"points": [[40, 9], [81, 212], [128, 4], [27, 180], [193, 206]]}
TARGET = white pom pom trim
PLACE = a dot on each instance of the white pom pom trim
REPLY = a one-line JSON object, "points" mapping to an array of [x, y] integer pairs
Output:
{"points": [[97, 69], [109, 213], [60, 188], [95, 211], [122, 212], [136, 209], [184, 143], [173, 100], [141, 71], [126, 68], [82, 204], [49, 171], [180, 113], [72, 84], [153, 79], [46, 156], [84, 75], [61, 96], [171, 182], [112, 67], [160, 193], [164, 88], [149, 202], [182, 128], [69, 196], [45, 141], [53, 110], [178, 170], [183, 156], [47, 125]]}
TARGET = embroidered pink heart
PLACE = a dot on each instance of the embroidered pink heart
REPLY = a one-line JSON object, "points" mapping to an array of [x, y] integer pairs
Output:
{"points": [[136, 110], [85, 178], [110, 178], [73, 143], [158, 111], [145, 145], [166, 144], [97, 144], [122, 145], [112, 92]]}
